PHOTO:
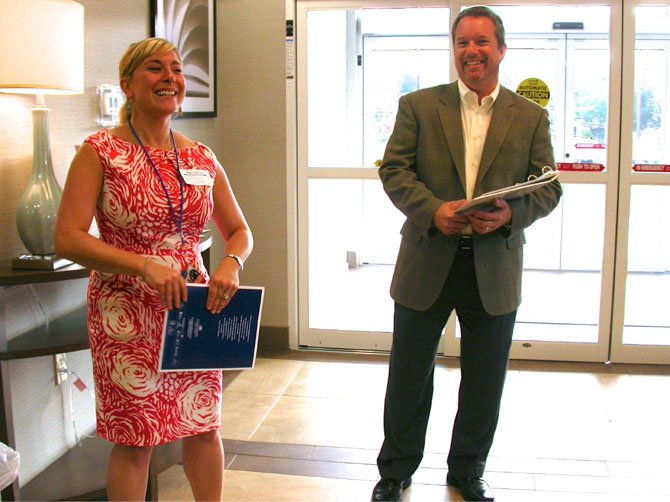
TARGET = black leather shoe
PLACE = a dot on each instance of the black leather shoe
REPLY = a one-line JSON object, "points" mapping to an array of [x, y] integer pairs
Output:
{"points": [[471, 488], [390, 489]]}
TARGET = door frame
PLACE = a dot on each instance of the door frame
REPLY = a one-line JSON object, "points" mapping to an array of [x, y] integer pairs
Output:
{"points": [[618, 182], [620, 353]]}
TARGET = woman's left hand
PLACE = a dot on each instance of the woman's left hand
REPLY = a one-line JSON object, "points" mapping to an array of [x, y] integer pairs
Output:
{"points": [[223, 284]]}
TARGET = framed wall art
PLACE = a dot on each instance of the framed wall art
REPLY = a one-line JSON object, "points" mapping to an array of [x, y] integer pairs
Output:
{"points": [[191, 26]]}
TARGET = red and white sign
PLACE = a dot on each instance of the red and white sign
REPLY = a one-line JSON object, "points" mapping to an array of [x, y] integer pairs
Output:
{"points": [[579, 166], [651, 168], [591, 146]]}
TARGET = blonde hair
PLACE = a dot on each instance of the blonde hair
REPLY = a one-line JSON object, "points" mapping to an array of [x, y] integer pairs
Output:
{"points": [[133, 57]]}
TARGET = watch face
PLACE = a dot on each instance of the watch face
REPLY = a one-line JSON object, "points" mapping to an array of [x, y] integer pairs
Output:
{"points": [[190, 274]]}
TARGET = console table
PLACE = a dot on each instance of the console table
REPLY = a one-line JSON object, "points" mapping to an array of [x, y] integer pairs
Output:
{"points": [[81, 472]]}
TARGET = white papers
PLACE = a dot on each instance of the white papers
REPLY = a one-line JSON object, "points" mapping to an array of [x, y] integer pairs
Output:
{"points": [[195, 339], [485, 201]]}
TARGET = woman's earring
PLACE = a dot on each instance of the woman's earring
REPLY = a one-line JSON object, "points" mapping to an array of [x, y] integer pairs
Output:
{"points": [[129, 108]]}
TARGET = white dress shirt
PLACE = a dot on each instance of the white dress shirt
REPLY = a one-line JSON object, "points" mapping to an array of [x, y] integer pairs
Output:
{"points": [[476, 119]]}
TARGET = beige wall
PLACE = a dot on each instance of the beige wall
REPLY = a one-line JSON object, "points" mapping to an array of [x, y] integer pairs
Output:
{"points": [[248, 136]]}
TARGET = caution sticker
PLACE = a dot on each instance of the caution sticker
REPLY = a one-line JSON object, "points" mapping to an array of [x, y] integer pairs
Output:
{"points": [[535, 90]]}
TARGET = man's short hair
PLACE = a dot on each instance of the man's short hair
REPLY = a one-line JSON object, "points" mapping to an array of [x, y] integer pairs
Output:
{"points": [[481, 11]]}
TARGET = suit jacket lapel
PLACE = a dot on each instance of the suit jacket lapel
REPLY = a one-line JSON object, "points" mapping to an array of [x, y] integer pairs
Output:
{"points": [[502, 118], [450, 117]]}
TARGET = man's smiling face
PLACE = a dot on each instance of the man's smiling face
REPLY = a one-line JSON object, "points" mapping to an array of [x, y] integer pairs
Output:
{"points": [[477, 55]]}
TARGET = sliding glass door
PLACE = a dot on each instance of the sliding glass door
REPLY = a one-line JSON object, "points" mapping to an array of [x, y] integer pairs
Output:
{"points": [[355, 59], [641, 327]]}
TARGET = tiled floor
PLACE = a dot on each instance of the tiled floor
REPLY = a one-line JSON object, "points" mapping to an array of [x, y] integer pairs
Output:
{"points": [[307, 426]]}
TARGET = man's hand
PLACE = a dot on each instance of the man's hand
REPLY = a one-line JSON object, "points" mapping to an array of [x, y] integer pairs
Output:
{"points": [[485, 222], [447, 221]]}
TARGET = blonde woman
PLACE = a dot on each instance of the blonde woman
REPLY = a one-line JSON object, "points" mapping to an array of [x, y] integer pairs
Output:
{"points": [[151, 190]]}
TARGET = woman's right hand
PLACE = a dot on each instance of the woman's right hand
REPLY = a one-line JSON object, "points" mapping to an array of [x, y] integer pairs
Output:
{"points": [[167, 281]]}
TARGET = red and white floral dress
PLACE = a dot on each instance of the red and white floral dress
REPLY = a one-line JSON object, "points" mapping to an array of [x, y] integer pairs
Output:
{"points": [[136, 404]]}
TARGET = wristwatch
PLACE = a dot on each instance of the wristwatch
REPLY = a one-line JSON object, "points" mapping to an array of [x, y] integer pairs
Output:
{"points": [[239, 261]]}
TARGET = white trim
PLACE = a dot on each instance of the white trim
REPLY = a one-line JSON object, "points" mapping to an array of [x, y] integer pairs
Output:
{"points": [[301, 149], [291, 193], [612, 193], [369, 4]]}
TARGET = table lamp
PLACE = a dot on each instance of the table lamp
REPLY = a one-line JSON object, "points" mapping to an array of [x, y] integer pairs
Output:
{"points": [[42, 45]]}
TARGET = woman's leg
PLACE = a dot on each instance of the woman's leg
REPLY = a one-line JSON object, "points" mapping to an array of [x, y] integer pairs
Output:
{"points": [[128, 472], [202, 456]]}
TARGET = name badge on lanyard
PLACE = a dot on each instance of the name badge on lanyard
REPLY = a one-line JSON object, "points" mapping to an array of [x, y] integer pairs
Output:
{"points": [[197, 177]]}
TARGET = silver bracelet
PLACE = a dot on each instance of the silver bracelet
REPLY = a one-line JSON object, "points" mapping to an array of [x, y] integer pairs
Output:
{"points": [[237, 259]]}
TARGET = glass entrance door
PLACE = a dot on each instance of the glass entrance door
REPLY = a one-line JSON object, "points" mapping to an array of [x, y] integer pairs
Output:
{"points": [[565, 312], [358, 62], [641, 327], [610, 134]]}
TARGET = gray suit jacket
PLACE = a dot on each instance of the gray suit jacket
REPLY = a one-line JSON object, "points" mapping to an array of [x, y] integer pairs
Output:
{"points": [[424, 166]]}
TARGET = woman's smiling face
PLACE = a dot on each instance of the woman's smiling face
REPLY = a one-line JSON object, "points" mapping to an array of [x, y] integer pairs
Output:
{"points": [[157, 85]]}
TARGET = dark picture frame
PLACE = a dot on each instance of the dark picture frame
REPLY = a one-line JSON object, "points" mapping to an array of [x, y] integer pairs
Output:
{"points": [[191, 26]]}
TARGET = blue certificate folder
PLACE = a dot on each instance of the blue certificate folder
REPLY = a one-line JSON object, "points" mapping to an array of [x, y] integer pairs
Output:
{"points": [[195, 339]]}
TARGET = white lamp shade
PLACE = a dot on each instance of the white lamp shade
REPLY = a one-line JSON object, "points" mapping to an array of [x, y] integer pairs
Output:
{"points": [[42, 43]]}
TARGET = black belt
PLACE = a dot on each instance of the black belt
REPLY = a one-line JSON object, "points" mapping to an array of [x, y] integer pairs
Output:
{"points": [[465, 243]]}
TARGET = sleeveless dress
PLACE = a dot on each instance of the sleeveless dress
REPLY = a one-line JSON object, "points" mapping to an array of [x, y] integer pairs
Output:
{"points": [[136, 404]]}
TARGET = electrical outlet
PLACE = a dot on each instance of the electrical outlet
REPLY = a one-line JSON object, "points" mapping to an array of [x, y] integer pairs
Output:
{"points": [[60, 367], [110, 99]]}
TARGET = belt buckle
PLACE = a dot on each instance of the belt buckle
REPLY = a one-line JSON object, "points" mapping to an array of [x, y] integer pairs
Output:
{"points": [[465, 243]]}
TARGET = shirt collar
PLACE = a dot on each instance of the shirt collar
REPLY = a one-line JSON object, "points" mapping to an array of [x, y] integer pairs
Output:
{"points": [[469, 97]]}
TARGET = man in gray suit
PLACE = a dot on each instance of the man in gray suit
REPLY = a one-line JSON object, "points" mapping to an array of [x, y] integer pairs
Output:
{"points": [[451, 143]]}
